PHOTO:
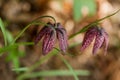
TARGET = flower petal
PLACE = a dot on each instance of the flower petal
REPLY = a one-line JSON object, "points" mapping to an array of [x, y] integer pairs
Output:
{"points": [[42, 32], [62, 37], [98, 41], [48, 42], [106, 41], [89, 36]]}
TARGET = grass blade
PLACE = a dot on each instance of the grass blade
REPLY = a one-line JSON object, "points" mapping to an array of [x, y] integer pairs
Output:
{"points": [[15, 45], [53, 73], [2, 26]]}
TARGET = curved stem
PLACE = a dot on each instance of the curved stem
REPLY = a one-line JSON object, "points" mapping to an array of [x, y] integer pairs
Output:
{"points": [[33, 23], [93, 23], [69, 67], [56, 50], [46, 17]]}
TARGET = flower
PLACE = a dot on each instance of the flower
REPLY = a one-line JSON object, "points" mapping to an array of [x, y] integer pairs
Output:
{"points": [[101, 38], [45, 30], [62, 37], [50, 33], [48, 42]]}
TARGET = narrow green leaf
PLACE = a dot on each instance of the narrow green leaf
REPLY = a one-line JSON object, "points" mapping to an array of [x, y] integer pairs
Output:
{"points": [[7, 48], [9, 36], [20, 69], [53, 73], [14, 46], [3, 31]]}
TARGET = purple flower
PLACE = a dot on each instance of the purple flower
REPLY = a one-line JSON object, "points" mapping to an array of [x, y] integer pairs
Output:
{"points": [[62, 37], [49, 33], [45, 30], [101, 38], [48, 42]]}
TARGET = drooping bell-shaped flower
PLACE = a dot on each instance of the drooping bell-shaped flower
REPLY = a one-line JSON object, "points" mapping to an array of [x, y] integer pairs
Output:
{"points": [[50, 33], [62, 37], [45, 30], [48, 42], [100, 36]]}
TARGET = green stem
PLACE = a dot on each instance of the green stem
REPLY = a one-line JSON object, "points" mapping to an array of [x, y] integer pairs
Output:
{"points": [[70, 68], [33, 23], [45, 17], [46, 58], [68, 65], [37, 64], [92, 24], [41, 61]]}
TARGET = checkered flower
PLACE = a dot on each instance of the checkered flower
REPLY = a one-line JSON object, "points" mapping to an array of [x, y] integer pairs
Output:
{"points": [[50, 33], [62, 37], [101, 38]]}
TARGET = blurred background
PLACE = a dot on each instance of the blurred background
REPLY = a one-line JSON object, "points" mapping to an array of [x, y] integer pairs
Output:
{"points": [[73, 15]]}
